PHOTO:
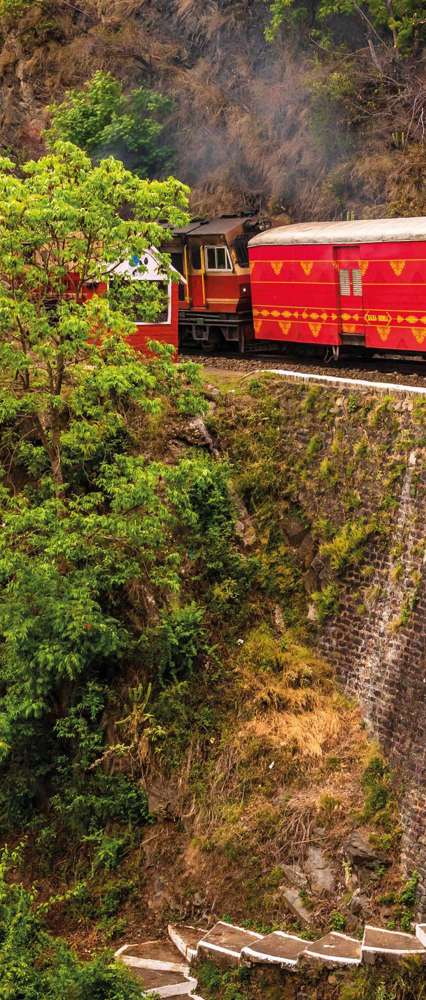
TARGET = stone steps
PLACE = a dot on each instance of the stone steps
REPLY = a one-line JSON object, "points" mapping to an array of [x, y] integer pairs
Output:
{"points": [[159, 968], [163, 967], [227, 942]]}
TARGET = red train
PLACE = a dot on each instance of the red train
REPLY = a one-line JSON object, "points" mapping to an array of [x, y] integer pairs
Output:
{"points": [[324, 285]]}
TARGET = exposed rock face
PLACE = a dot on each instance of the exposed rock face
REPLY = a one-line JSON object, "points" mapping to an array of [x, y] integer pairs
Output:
{"points": [[245, 119], [320, 874], [296, 905], [360, 852]]}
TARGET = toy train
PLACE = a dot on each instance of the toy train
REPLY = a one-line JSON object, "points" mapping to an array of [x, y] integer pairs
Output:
{"points": [[317, 287]]}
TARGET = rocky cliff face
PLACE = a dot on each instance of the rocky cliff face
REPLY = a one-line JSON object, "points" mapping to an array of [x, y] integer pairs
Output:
{"points": [[254, 124]]}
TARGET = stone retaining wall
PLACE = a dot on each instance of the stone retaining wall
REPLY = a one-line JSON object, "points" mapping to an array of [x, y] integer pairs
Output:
{"points": [[380, 655]]}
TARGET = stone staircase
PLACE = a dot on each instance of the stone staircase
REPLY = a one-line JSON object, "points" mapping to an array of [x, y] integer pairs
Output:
{"points": [[163, 968]]}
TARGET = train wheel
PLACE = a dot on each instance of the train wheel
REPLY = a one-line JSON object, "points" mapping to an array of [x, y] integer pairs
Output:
{"points": [[214, 342]]}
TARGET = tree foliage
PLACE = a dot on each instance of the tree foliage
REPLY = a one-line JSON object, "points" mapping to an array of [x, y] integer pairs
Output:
{"points": [[62, 230], [13, 8], [35, 965], [103, 120], [402, 21], [99, 535]]}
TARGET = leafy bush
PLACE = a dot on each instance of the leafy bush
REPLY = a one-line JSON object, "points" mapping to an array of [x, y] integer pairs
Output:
{"points": [[174, 645], [35, 965], [400, 20], [326, 602], [103, 120], [348, 544]]}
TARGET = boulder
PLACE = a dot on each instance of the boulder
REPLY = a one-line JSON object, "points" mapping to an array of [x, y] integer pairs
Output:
{"points": [[317, 867], [361, 853], [295, 529], [295, 876], [296, 905], [360, 905]]}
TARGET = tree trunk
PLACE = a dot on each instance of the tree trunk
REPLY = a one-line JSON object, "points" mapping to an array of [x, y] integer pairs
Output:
{"points": [[50, 435]]}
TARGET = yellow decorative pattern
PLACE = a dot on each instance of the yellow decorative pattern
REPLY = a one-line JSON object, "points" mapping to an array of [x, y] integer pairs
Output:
{"points": [[383, 332], [258, 323], [277, 266], [419, 335], [363, 266], [306, 314], [284, 327], [307, 266], [315, 329], [378, 317], [397, 266]]}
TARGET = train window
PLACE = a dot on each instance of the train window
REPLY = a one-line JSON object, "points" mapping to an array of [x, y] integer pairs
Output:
{"points": [[196, 258], [344, 282], [177, 261], [218, 259], [357, 281], [178, 264], [240, 245]]}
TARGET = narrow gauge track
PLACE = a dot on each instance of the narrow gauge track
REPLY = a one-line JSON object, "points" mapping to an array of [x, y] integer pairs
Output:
{"points": [[396, 371]]}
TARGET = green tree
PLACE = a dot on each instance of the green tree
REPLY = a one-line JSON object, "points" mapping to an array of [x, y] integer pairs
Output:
{"points": [[61, 230], [34, 965], [402, 20], [100, 537], [88, 524], [103, 120]]}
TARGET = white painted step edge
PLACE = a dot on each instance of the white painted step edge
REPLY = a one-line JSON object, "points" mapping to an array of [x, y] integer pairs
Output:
{"points": [[334, 959], [263, 959], [403, 952], [177, 990], [206, 945], [155, 964], [189, 953], [421, 933]]}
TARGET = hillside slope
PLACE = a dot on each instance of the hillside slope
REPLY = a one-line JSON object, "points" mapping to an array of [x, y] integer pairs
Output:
{"points": [[292, 127]]}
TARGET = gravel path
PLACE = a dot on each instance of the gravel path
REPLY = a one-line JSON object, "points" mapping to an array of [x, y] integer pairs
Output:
{"points": [[390, 370]]}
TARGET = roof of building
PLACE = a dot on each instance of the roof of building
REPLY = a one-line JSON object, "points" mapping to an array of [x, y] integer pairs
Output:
{"points": [[220, 226], [355, 231], [145, 268]]}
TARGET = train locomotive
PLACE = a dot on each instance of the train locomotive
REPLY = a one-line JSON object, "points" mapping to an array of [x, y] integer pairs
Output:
{"points": [[315, 287]]}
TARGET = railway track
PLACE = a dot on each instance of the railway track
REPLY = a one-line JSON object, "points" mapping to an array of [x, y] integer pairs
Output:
{"points": [[403, 375]]}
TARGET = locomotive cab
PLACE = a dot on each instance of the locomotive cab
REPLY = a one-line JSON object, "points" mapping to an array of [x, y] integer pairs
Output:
{"points": [[215, 303]]}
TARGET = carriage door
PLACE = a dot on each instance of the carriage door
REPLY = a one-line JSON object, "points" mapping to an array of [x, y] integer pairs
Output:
{"points": [[350, 294]]}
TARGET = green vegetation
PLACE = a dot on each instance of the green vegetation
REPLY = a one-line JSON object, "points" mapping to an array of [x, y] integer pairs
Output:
{"points": [[13, 8], [97, 532], [366, 983], [35, 965], [103, 120], [348, 544], [399, 20]]}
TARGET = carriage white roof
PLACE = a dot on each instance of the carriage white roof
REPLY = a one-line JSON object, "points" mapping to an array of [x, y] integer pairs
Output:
{"points": [[146, 268], [355, 231]]}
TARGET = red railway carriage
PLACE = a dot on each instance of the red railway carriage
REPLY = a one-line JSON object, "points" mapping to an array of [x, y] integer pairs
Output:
{"points": [[215, 306], [359, 283], [164, 329]]}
